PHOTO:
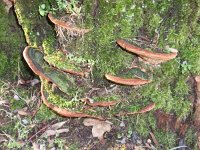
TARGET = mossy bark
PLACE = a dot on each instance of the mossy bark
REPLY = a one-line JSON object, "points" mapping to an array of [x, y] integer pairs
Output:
{"points": [[36, 28], [11, 44], [176, 23]]}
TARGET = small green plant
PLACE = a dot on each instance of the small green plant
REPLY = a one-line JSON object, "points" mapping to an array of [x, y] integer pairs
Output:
{"points": [[59, 143], [185, 67], [44, 9], [71, 7], [62, 4]]}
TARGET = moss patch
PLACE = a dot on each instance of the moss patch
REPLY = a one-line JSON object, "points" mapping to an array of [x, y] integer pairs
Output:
{"points": [[11, 43]]}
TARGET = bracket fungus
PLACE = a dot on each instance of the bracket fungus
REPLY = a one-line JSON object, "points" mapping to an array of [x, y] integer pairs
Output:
{"points": [[35, 60], [67, 25], [126, 81], [149, 56], [61, 111]]}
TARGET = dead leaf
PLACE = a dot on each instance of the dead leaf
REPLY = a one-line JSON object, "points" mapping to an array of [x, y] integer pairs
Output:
{"points": [[51, 132], [55, 129], [62, 130], [99, 127], [24, 113], [36, 146], [34, 82], [58, 125]]}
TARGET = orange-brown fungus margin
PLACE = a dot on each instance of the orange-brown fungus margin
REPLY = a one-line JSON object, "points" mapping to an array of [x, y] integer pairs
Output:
{"points": [[101, 104], [65, 112], [70, 71], [125, 81], [67, 25], [32, 65], [141, 111], [145, 53]]}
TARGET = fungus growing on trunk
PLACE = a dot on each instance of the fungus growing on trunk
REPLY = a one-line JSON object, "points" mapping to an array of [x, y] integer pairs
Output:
{"points": [[61, 111], [149, 56], [126, 81], [67, 25]]}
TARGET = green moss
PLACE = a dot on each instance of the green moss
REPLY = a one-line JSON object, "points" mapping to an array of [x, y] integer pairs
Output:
{"points": [[71, 63], [44, 113], [48, 45], [166, 139], [11, 42], [17, 104], [4, 63], [191, 138], [36, 28]]}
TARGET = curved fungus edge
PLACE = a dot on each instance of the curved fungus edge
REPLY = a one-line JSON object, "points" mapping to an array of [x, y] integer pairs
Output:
{"points": [[145, 53], [66, 25], [126, 81]]}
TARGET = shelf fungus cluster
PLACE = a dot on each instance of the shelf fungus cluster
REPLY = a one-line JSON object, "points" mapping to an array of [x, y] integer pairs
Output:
{"points": [[35, 59], [149, 56], [62, 76]]}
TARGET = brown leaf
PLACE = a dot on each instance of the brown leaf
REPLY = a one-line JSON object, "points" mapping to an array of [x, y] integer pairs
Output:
{"points": [[24, 112], [52, 132], [36, 146], [34, 82], [55, 129], [90, 122], [58, 125], [99, 127], [148, 55], [67, 25], [124, 81]]}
